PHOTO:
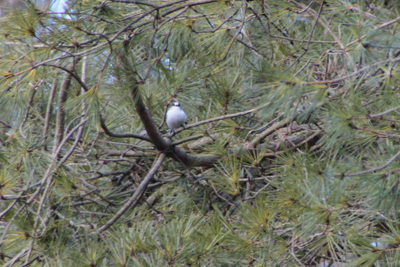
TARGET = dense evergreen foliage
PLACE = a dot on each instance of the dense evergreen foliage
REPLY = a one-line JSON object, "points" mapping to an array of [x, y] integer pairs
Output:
{"points": [[289, 157]]}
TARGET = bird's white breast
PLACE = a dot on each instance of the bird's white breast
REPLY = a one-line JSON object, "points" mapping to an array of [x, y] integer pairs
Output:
{"points": [[176, 117]]}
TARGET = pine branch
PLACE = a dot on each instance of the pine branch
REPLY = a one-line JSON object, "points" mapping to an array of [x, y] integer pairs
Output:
{"points": [[124, 135], [60, 120], [134, 200]]}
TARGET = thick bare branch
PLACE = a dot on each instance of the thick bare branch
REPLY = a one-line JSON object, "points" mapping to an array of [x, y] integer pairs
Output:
{"points": [[60, 110], [49, 107]]}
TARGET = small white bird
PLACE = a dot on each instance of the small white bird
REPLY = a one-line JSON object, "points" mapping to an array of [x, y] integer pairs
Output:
{"points": [[176, 117]]}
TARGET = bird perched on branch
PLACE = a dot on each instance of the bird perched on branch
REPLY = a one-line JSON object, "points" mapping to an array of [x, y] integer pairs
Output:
{"points": [[176, 117]]}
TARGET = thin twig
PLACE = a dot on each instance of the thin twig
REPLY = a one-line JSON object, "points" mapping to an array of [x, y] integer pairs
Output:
{"points": [[16, 258], [229, 46], [377, 115], [34, 90], [287, 38], [309, 38], [390, 161], [327, 28], [187, 139], [225, 117], [363, 69]]}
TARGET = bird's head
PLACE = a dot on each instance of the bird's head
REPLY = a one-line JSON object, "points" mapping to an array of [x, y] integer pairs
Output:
{"points": [[176, 104]]}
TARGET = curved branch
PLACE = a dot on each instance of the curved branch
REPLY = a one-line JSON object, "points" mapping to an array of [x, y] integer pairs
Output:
{"points": [[71, 73], [390, 161], [268, 131], [133, 201], [124, 135]]}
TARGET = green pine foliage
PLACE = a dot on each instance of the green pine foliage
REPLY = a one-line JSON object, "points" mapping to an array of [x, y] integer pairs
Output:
{"points": [[289, 156]]}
